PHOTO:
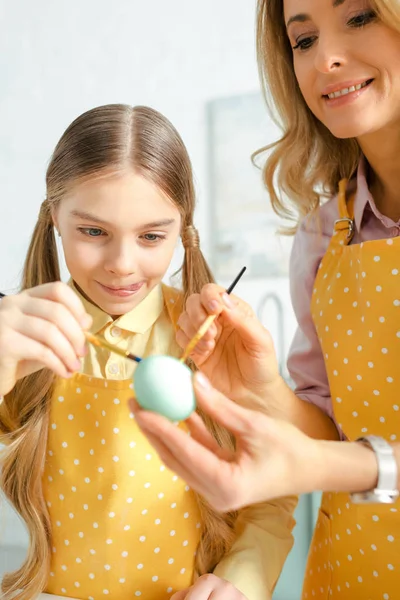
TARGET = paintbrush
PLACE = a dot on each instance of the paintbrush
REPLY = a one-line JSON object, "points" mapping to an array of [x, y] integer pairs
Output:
{"points": [[207, 323], [96, 341], [93, 339], [102, 343]]}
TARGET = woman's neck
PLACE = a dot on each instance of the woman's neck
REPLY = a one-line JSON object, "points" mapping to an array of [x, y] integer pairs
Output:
{"points": [[382, 151]]}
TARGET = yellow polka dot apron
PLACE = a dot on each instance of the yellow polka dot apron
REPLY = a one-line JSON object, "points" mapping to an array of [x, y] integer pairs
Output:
{"points": [[355, 551], [123, 525]]}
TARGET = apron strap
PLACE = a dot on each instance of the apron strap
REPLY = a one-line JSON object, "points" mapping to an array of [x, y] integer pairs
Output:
{"points": [[344, 225]]}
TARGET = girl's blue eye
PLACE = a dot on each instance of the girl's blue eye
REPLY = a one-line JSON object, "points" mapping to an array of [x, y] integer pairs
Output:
{"points": [[153, 238], [91, 231]]}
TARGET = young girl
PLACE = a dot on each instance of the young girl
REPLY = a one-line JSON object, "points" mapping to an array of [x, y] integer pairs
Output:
{"points": [[333, 71], [105, 517]]}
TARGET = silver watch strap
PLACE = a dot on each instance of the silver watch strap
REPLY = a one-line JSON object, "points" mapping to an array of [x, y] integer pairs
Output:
{"points": [[387, 466]]}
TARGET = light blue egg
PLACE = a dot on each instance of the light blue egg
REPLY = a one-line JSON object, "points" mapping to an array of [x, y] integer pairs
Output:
{"points": [[164, 385]]}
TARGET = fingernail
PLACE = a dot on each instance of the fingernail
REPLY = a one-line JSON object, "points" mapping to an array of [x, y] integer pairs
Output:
{"points": [[227, 301], [213, 305], [202, 381], [77, 365]]}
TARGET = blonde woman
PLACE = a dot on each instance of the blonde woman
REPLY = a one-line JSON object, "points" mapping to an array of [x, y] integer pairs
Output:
{"points": [[332, 71], [105, 517]]}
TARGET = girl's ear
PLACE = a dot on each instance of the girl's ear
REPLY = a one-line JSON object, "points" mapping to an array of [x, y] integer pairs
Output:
{"points": [[55, 221]]}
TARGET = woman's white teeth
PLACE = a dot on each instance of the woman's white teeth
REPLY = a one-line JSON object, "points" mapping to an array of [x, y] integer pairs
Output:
{"points": [[345, 91]]}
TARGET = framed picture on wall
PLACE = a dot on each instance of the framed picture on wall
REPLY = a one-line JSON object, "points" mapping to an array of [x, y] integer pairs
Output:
{"points": [[243, 224]]}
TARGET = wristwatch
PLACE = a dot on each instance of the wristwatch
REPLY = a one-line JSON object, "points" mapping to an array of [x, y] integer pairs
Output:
{"points": [[386, 491]]}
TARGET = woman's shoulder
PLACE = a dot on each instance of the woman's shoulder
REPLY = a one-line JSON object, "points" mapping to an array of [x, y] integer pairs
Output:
{"points": [[310, 243], [321, 221]]}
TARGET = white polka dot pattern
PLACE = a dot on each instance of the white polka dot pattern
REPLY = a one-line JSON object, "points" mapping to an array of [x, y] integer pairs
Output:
{"points": [[355, 549], [122, 524]]}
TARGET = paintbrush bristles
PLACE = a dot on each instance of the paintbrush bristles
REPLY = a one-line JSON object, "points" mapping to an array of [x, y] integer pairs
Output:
{"points": [[104, 344]]}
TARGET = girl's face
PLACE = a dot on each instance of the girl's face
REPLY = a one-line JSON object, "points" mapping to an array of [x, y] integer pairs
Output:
{"points": [[119, 234], [347, 64]]}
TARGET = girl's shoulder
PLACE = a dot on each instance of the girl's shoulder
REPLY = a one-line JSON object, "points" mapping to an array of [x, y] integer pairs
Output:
{"points": [[173, 300], [172, 294]]}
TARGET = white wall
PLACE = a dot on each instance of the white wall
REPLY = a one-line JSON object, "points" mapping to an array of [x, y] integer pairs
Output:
{"points": [[58, 59]]}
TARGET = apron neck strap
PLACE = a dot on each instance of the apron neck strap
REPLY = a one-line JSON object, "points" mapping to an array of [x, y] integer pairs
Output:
{"points": [[344, 226]]}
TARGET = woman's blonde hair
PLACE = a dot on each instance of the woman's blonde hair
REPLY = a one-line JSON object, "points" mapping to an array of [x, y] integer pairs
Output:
{"points": [[307, 160], [105, 140]]}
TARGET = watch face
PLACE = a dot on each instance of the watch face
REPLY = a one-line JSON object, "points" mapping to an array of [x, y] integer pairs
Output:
{"points": [[375, 497]]}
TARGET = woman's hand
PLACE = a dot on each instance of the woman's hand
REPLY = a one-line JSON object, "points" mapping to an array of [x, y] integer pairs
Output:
{"points": [[41, 327], [237, 353], [272, 458]]}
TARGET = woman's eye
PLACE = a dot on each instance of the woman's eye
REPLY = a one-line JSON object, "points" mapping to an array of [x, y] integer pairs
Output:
{"points": [[305, 43], [362, 19]]}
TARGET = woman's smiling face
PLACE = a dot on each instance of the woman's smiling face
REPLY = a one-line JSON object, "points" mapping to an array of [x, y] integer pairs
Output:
{"points": [[347, 64]]}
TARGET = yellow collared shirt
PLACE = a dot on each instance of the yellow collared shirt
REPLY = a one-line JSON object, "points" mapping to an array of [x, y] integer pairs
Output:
{"points": [[145, 330]]}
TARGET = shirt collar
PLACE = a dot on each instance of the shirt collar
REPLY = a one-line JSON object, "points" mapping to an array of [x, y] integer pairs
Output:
{"points": [[137, 320]]}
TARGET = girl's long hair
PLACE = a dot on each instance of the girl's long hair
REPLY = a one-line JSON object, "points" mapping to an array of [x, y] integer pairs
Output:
{"points": [[106, 140]]}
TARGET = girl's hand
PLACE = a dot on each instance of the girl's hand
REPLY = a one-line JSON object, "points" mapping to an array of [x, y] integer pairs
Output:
{"points": [[272, 458], [237, 353], [207, 587], [41, 327]]}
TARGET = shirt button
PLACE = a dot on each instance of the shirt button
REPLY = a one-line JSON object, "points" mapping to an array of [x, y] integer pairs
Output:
{"points": [[115, 332], [113, 368]]}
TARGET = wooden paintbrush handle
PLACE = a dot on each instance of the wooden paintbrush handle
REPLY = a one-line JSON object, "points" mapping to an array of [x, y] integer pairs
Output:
{"points": [[195, 340]]}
